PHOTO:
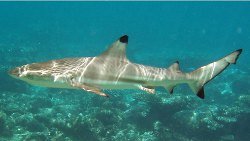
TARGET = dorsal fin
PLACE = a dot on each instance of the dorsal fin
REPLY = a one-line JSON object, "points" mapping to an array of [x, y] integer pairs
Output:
{"points": [[117, 49], [175, 66]]}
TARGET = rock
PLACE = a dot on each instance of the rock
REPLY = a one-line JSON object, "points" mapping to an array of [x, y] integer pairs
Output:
{"points": [[2, 122], [35, 137], [227, 138], [4, 128]]}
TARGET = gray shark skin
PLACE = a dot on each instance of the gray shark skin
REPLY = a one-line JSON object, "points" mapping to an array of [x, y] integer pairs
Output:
{"points": [[112, 70]]}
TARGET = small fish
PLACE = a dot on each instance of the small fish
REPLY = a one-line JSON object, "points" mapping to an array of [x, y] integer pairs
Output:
{"points": [[113, 70]]}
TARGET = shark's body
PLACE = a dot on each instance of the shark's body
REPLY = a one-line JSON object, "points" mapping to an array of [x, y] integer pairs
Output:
{"points": [[112, 70]]}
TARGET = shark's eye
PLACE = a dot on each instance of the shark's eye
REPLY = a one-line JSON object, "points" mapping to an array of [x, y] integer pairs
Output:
{"points": [[21, 69]]}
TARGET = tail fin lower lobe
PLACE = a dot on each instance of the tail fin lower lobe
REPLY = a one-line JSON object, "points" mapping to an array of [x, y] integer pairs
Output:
{"points": [[206, 73]]}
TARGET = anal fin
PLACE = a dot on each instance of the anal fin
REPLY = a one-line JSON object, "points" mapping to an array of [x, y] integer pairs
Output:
{"points": [[150, 90], [90, 89], [170, 88]]}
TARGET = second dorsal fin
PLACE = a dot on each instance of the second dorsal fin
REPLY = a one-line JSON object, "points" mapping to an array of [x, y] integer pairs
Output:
{"points": [[175, 66]]}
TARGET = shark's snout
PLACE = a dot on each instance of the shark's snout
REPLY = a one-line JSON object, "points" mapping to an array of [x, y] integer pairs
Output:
{"points": [[16, 72]]}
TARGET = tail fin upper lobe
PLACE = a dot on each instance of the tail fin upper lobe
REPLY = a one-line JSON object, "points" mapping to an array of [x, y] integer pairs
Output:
{"points": [[206, 73]]}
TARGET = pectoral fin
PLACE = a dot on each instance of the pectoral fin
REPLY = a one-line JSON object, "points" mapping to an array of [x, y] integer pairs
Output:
{"points": [[150, 90], [90, 89]]}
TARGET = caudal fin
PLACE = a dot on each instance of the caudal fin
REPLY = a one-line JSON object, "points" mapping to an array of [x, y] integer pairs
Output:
{"points": [[206, 73]]}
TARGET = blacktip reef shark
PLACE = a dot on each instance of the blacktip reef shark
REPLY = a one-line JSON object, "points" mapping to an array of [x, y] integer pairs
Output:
{"points": [[112, 70]]}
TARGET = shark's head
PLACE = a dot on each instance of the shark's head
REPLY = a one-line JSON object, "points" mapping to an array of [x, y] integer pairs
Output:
{"points": [[30, 73], [15, 73], [18, 72]]}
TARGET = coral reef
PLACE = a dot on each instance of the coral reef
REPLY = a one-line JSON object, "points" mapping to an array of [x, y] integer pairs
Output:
{"points": [[76, 115]]}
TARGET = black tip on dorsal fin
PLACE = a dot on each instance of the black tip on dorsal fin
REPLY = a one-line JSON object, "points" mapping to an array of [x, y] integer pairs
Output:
{"points": [[239, 50], [175, 66], [201, 94], [124, 39]]}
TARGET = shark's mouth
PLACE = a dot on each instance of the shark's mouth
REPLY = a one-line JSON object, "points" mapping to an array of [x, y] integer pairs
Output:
{"points": [[15, 72]]}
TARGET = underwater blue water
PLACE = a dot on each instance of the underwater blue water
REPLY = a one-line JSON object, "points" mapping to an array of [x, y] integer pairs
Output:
{"points": [[194, 33]]}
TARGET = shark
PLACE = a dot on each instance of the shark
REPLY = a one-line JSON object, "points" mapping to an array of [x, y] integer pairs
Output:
{"points": [[113, 70]]}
